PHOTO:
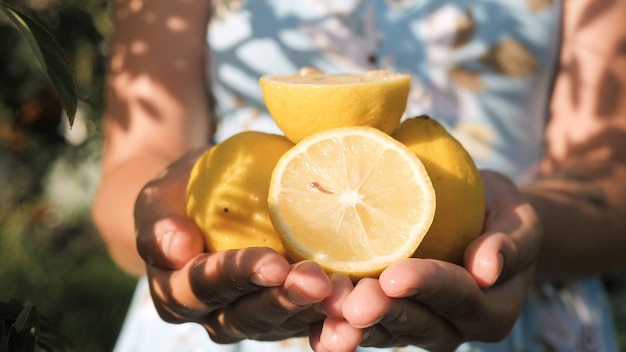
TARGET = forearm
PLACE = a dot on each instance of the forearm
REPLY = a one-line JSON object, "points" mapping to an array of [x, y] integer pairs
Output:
{"points": [[581, 194], [157, 95], [158, 108], [584, 219], [113, 208]]}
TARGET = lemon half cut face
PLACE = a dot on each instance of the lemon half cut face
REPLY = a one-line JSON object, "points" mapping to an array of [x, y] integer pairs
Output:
{"points": [[353, 199]]}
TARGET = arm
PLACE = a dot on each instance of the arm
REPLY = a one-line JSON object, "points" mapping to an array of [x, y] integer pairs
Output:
{"points": [[581, 196], [580, 200], [157, 109]]}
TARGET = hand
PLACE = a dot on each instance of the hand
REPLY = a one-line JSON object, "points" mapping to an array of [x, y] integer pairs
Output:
{"points": [[438, 305], [250, 293]]}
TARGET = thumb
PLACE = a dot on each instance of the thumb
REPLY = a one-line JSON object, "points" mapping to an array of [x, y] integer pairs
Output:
{"points": [[484, 259], [175, 241]]}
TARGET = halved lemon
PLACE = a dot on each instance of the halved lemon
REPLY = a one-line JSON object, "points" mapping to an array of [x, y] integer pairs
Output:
{"points": [[352, 199], [313, 101]]}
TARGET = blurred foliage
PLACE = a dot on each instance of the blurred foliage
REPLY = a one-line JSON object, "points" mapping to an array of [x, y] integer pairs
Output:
{"points": [[51, 258], [616, 286], [24, 328], [50, 56]]}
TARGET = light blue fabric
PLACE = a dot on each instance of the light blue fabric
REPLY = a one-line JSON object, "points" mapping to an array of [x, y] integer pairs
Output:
{"points": [[484, 68]]}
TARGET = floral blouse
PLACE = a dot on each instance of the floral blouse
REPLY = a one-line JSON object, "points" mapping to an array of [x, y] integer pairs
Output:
{"points": [[483, 68]]}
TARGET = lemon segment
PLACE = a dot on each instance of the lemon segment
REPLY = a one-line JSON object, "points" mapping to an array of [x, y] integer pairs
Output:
{"points": [[228, 188], [311, 102], [353, 199]]}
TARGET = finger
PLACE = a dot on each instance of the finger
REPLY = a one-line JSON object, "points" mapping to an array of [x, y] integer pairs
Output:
{"points": [[336, 335], [447, 289], [177, 240], [315, 332], [160, 216], [366, 304], [262, 315], [521, 253], [508, 246], [214, 280], [511, 238], [409, 322], [450, 291], [222, 277], [342, 286], [484, 258]]}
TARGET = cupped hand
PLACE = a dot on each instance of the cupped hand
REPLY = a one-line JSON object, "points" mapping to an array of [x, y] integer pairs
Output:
{"points": [[238, 294], [438, 305]]}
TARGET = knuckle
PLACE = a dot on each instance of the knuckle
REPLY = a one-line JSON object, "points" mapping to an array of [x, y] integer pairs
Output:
{"points": [[252, 328], [225, 328], [168, 315]]}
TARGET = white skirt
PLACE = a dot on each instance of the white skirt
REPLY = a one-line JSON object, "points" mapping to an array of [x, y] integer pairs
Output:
{"points": [[572, 318]]}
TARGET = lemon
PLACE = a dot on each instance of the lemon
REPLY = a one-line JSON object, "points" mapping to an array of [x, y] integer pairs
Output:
{"points": [[460, 212], [311, 102], [352, 199], [228, 188]]}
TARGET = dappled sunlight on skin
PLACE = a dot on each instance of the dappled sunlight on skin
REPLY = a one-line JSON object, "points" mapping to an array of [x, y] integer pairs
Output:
{"points": [[256, 293], [591, 85], [275, 313], [238, 294], [582, 174], [436, 304], [178, 239], [176, 24], [599, 89], [141, 62], [167, 217], [214, 280], [221, 290]]}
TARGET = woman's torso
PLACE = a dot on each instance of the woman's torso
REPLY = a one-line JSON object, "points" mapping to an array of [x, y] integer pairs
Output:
{"points": [[483, 68]]}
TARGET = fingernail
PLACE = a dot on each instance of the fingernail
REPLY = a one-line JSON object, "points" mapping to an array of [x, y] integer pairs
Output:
{"points": [[259, 280], [296, 297], [268, 275], [166, 240]]}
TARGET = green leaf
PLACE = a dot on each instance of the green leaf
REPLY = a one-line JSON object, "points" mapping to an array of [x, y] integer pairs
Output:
{"points": [[28, 317], [24, 328], [51, 57]]}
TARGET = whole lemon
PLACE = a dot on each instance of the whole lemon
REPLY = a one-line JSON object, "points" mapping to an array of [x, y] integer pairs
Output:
{"points": [[304, 104], [460, 212], [228, 188]]}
